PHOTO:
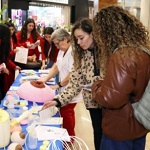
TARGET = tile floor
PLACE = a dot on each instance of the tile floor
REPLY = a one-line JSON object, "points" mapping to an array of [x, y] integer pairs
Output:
{"points": [[84, 129]]}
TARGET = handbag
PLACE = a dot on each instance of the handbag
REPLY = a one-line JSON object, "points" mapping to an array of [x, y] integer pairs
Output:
{"points": [[142, 108]]}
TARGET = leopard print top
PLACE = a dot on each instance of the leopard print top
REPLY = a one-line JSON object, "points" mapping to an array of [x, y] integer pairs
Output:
{"points": [[84, 75]]}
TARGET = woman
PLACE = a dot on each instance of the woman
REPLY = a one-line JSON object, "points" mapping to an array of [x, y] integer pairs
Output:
{"points": [[49, 50], [63, 65], [29, 38], [125, 64], [11, 66], [85, 72], [4, 54], [13, 39]]}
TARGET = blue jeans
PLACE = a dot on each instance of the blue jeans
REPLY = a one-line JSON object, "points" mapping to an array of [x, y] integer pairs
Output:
{"points": [[49, 65], [136, 144]]}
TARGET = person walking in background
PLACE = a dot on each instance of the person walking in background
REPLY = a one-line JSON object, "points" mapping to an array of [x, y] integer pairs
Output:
{"points": [[125, 64], [29, 38], [4, 54], [61, 38], [11, 66], [85, 71], [49, 50]]}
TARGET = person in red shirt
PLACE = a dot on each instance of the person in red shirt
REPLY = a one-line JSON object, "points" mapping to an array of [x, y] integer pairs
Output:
{"points": [[10, 64], [13, 40], [49, 50], [4, 54], [29, 38]]}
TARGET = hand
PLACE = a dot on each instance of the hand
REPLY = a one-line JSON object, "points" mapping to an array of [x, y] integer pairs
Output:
{"points": [[18, 68], [95, 87], [42, 80], [5, 70], [16, 50], [37, 43], [43, 67], [54, 87], [49, 104]]}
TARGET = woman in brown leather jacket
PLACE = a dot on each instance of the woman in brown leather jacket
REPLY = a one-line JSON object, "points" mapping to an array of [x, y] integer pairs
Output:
{"points": [[125, 64]]}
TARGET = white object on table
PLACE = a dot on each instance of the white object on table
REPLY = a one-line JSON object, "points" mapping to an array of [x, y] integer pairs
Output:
{"points": [[21, 55]]}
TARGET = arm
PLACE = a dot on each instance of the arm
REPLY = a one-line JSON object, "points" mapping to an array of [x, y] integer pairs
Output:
{"points": [[53, 71], [64, 82], [113, 92], [72, 89], [43, 65]]}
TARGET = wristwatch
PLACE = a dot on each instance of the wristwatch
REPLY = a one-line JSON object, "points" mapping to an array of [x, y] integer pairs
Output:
{"points": [[59, 84]]}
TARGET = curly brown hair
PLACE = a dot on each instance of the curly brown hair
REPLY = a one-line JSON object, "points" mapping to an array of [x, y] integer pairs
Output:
{"points": [[86, 25], [115, 27]]}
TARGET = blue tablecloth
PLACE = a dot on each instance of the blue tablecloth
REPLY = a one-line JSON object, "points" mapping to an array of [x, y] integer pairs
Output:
{"points": [[58, 143]]}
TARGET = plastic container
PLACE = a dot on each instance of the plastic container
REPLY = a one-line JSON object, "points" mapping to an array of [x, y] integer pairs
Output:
{"points": [[32, 140]]}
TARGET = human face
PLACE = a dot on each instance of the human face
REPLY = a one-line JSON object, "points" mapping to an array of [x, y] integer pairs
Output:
{"points": [[84, 39], [47, 37], [30, 27], [12, 30], [62, 45]]}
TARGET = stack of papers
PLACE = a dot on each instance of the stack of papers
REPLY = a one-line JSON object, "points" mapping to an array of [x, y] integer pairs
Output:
{"points": [[21, 55], [51, 121], [51, 133], [28, 72], [44, 71], [34, 77], [13, 88]]}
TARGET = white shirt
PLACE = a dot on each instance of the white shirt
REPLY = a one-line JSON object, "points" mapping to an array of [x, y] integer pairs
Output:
{"points": [[64, 64]]}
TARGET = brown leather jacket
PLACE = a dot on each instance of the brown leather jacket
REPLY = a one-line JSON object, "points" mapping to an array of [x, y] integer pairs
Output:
{"points": [[127, 74]]}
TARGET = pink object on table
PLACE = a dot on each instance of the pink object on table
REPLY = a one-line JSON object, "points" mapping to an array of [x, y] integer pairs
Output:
{"points": [[35, 91]]}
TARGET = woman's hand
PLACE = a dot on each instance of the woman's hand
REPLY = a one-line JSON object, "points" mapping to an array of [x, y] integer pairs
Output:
{"points": [[49, 104], [95, 87], [43, 67], [5, 70], [54, 87], [18, 68], [16, 50]]}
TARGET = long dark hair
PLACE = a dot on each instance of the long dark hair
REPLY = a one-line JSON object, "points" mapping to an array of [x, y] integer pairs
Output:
{"points": [[4, 43], [9, 24], [48, 30], [24, 30]]}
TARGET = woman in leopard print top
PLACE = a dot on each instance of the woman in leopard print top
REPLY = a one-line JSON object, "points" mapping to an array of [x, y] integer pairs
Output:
{"points": [[85, 71]]}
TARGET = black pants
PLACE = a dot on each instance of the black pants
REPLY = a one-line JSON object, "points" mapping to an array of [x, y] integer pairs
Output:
{"points": [[96, 117]]}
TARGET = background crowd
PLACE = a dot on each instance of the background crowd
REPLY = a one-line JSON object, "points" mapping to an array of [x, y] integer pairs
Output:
{"points": [[110, 54]]}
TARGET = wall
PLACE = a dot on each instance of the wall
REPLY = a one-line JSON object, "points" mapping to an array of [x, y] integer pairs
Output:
{"points": [[145, 13], [104, 3], [17, 4]]}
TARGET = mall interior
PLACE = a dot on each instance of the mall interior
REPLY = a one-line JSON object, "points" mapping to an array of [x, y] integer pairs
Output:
{"points": [[63, 13]]}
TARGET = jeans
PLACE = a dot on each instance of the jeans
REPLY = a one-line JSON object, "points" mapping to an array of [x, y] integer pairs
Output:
{"points": [[50, 64], [109, 144]]}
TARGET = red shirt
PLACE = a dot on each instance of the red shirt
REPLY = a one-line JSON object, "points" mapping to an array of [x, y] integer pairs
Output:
{"points": [[24, 44], [53, 54]]}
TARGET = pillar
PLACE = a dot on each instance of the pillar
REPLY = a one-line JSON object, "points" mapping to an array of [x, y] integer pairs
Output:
{"points": [[145, 13]]}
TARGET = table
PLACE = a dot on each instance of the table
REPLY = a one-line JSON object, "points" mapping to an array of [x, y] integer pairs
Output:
{"points": [[58, 143]]}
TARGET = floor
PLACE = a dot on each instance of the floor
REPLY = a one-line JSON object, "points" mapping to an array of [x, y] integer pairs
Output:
{"points": [[84, 129]]}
